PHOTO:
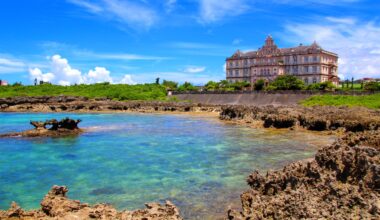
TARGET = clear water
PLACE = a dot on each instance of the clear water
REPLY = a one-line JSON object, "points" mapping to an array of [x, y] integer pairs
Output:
{"points": [[199, 163]]}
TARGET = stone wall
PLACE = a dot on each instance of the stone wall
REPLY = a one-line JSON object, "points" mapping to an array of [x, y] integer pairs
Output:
{"points": [[253, 99]]}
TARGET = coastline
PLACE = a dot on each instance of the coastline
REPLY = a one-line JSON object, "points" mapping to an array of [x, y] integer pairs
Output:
{"points": [[357, 129]]}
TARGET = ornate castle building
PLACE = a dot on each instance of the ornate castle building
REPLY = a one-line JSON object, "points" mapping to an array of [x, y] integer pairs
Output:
{"points": [[311, 64]]}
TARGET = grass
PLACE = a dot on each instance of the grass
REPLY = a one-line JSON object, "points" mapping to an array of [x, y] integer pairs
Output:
{"points": [[101, 90], [369, 101]]}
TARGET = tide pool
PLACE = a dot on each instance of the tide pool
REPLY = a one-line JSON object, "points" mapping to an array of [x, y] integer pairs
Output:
{"points": [[198, 163]]}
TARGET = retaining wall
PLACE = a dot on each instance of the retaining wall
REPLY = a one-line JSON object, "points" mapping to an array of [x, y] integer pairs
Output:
{"points": [[257, 99]]}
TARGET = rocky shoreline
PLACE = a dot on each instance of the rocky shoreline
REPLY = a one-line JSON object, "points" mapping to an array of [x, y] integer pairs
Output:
{"points": [[82, 104], [56, 205], [341, 182]]}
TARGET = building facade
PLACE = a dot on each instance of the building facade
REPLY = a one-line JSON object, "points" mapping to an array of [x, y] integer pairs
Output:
{"points": [[311, 64], [3, 83]]}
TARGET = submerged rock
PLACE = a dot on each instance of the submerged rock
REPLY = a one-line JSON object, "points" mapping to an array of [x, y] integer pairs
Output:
{"points": [[64, 127], [56, 205], [342, 182]]}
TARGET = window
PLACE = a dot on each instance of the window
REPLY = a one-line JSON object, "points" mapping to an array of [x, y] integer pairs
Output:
{"points": [[236, 72], [295, 69], [306, 69], [245, 72], [231, 73], [306, 59], [237, 63], [294, 59], [314, 69], [315, 58], [306, 81], [314, 80], [287, 59], [245, 62], [231, 64]]}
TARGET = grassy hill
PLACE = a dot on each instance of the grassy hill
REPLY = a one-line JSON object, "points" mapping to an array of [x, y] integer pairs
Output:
{"points": [[117, 92]]}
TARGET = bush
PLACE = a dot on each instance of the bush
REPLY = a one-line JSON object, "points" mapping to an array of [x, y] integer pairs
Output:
{"points": [[212, 86], [259, 85], [170, 85], [372, 86], [321, 86], [187, 87], [287, 82]]}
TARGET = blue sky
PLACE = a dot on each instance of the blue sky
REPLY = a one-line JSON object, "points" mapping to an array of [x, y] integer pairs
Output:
{"points": [[83, 41]]}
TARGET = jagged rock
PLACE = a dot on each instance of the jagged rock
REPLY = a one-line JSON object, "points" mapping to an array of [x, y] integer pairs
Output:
{"points": [[342, 182], [64, 127], [56, 205], [82, 104], [316, 118]]}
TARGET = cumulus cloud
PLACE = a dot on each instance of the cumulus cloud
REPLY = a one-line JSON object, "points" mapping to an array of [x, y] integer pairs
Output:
{"points": [[195, 69], [356, 43], [62, 73], [127, 79]]}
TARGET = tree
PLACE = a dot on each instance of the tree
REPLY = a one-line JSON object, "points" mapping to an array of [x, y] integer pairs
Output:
{"points": [[237, 86], [287, 82], [212, 86], [259, 84], [187, 87], [170, 85], [158, 80]]}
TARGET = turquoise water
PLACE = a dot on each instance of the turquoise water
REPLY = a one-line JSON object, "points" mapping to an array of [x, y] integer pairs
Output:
{"points": [[198, 163]]}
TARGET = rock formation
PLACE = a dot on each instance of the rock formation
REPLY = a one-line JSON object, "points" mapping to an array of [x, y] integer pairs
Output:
{"points": [[56, 205], [64, 127], [315, 118], [81, 104], [342, 182]]}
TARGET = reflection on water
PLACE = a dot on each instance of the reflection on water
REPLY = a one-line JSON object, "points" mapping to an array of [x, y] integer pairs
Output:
{"points": [[127, 160]]}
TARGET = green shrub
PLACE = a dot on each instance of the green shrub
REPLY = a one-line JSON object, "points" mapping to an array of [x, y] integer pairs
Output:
{"points": [[372, 86], [187, 87], [259, 84], [321, 86], [287, 82]]}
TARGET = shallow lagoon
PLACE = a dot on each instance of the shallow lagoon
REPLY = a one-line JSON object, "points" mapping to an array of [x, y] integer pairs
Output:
{"points": [[197, 162]]}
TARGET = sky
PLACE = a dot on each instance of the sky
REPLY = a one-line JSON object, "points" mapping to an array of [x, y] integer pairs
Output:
{"points": [[124, 41]]}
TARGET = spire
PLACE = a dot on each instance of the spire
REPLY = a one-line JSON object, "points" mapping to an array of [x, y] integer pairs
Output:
{"points": [[269, 41]]}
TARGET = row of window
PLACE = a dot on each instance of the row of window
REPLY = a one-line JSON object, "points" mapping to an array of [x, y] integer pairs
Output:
{"points": [[288, 60]]}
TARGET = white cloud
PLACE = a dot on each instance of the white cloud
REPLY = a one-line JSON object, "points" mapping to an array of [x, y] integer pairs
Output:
{"points": [[36, 73], [11, 65], [99, 74], [216, 10], [134, 14], [127, 79], [356, 43], [195, 69], [62, 73]]}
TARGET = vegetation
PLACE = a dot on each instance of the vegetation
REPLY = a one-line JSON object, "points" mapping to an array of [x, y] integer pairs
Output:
{"points": [[259, 85], [187, 87], [286, 82], [372, 86], [224, 85], [369, 101], [170, 85], [321, 86], [117, 92]]}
